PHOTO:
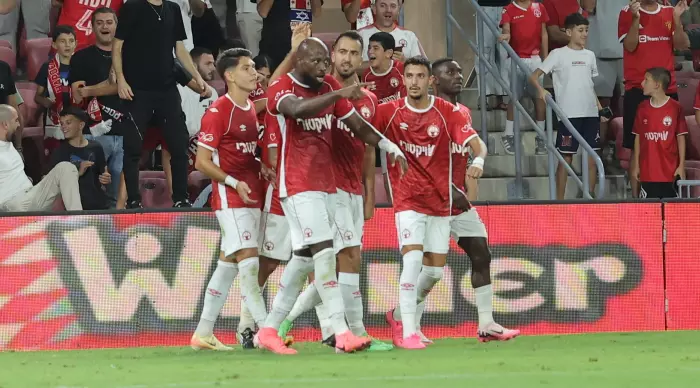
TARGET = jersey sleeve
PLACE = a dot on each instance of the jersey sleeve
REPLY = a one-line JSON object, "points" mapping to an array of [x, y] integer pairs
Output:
{"points": [[460, 126], [638, 127], [594, 65], [550, 63], [505, 16], [41, 78], [127, 17], [343, 108], [682, 127], [258, 94], [380, 121], [271, 135], [624, 22], [414, 47], [278, 91], [211, 130], [545, 16], [696, 104]]}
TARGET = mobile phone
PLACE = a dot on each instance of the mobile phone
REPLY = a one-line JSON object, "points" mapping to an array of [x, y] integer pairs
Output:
{"points": [[399, 49], [606, 112]]}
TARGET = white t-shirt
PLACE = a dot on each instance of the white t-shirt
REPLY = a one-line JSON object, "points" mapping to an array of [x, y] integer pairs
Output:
{"points": [[404, 38], [194, 108], [13, 180], [245, 6], [572, 73]]}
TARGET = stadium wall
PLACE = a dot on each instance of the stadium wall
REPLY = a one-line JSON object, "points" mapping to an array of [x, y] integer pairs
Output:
{"points": [[137, 279]]}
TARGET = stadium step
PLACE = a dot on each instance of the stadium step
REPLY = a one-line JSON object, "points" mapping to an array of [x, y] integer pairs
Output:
{"points": [[537, 188], [498, 166]]}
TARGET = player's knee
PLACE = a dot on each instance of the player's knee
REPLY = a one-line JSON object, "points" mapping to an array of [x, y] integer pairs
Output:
{"points": [[435, 273], [349, 260]]}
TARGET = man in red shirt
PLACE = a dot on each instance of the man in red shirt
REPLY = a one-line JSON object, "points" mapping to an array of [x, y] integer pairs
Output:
{"points": [[649, 33], [524, 27], [385, 72], [425, 127], [226, 154], [659, 142], [78, 14], [358, 13], [307, 102], [558, 10]]}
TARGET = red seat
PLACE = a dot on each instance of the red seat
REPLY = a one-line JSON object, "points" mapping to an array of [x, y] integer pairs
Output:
{"points": [[381, 197], [37, 55], [154, 190], [30, 110], [623, 154], [196, 182], [8, 56], [693, 139], [219, 85], [687, 88], [328, 38]]}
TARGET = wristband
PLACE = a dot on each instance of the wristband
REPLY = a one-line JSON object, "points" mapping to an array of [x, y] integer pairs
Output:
{"points": [[231, 181], [478, 162]]}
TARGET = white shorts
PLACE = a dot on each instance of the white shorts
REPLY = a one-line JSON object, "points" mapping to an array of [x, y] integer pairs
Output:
{"points": [[275, 241], [349, 220], [467, 224], [239, 229], [414, 228], [310, 218], [523, 87]]}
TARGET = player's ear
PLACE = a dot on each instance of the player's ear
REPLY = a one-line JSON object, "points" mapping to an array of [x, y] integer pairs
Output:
{"points": [[389, 53], [332, 56]]}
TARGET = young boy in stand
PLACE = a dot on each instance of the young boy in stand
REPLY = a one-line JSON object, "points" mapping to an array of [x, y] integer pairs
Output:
{"points": [[573, 68], [659, 144]]}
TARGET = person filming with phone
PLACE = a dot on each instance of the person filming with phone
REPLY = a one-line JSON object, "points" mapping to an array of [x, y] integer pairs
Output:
{"points": [[386, 20]]}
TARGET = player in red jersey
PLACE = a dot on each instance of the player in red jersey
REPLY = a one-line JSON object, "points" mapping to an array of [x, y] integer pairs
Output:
{"points": [[78, 14], [424, 126], [383, 71], [467, 229], [659, 144], [306, 103], [649, 32], [226, 154], [353, 167]]}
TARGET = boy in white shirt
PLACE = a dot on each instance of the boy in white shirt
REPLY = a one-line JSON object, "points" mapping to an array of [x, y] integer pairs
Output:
{"points": [[573, 68]]}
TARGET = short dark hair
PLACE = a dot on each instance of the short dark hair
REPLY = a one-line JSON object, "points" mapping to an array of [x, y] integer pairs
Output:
{"points": [[77, 112], [103, 10], [197, 52], [660, 75], [350, 35], [62, 29], [262, 61], [418, 60], [229, 59], [441, 61], [385, 39], [574, 20]]}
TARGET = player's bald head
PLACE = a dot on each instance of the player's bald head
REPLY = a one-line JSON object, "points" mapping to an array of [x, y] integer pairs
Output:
{"points": [[311, 46], [312, 61], [6, 112], [9, 121]]}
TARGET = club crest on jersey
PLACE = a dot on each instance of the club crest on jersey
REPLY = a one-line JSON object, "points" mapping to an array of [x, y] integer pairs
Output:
{"points": [[273, 137], [316, 124], [667, 121], [433, 131], [394, 82], [668, 25], [242, 127], [403, 43], [365, 112], [206, 137], [537, 11]]}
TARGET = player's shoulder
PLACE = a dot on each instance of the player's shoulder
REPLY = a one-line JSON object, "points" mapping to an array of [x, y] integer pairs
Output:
{"points": [[398, 66], [445, 107], [368, 30], [626, 10], [391, 107], [676, 105], [283, 82], [331, 82], [464, 110], [221, 106]]}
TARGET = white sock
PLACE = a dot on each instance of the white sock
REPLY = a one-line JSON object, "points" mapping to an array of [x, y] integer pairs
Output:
{"points": [[408, 291], [308, 299], [215, 297], [541, 125], [324, 321], [484, 304], [427, 279], [292, 281], [246, 320], [327, 286], [509, 128], [250, 289], [352, 299]]}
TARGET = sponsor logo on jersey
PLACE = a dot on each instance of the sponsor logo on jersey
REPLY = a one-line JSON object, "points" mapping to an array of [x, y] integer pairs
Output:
{"points": [[206, 137], [317, 124], [656, 136], [247, 147], [417, 150]]}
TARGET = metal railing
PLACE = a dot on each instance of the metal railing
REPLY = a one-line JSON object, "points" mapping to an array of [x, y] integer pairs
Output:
{"points": [[482, 20]]}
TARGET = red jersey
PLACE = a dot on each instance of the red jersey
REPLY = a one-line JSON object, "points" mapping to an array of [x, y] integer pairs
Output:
{"points": [[657, 129], [78, 14], [557, 11], [365, 14], [307, 144], [389, 85], [655, 48], [460, 155], [231, 133], [525, 27], [349, 151], [425, 137], [271, 139]]}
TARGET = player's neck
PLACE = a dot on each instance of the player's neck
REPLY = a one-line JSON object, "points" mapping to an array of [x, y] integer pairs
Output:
{"points": [[352, 80], [383, 67], [238, 95], [78, 141], [523, 3], [155, 2], [419, 103], [103, 47], [575, 46], [658, 99], [651, 6], [447, 97], [64, 60]]}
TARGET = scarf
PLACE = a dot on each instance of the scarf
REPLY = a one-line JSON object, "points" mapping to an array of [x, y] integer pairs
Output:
{"points": [[55, 89]]}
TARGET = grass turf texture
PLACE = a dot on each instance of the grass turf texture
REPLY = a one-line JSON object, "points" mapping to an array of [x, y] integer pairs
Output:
{"points": [[669, 359]]}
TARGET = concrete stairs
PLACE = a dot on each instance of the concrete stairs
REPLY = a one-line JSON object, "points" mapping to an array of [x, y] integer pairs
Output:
{"points": [[498, 182]]}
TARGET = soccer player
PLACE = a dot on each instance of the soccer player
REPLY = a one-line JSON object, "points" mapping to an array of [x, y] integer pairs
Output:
{"points": [[466, 226], [659, 144], [649, 33], [386, 73], [353, 166], [307, 102], [425, 127], [523, 23], [78, 14], [573, 69], [226, 153]]}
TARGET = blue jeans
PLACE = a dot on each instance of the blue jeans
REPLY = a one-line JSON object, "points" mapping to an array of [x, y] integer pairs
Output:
{"points": [[114, 153]]}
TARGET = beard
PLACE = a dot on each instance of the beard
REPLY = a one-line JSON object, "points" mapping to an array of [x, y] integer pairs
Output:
{"points": [[311, 81]]}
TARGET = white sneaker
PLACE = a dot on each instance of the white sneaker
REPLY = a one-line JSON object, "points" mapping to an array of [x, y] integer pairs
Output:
{"points": [[423, 338], [209, 343]]}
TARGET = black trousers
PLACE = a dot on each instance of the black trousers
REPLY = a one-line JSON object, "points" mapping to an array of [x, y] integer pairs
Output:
{"points": [[164, 106]]}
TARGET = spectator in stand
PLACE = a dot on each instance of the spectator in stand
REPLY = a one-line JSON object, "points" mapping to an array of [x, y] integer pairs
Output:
{"points": [[524, 27], [91, 86], [495, 54], [53, 91], [358, 13], [189, 8], [659, 138], [384, 71], [18, 194], [386, 14], [608, 50], [263, 67], [35, 14], [142, 58], [277, 24], [78, 14], [558, 11], [644, 48], [206, 31], [10, 96], [87, 156], [250, 25]]}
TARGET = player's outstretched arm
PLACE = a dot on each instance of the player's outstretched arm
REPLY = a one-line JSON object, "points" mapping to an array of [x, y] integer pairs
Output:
{"points": [[297, 108], [369, 135]]}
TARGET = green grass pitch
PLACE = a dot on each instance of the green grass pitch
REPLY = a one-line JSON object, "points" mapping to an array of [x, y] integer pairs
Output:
{"points": [[659, 360]]}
